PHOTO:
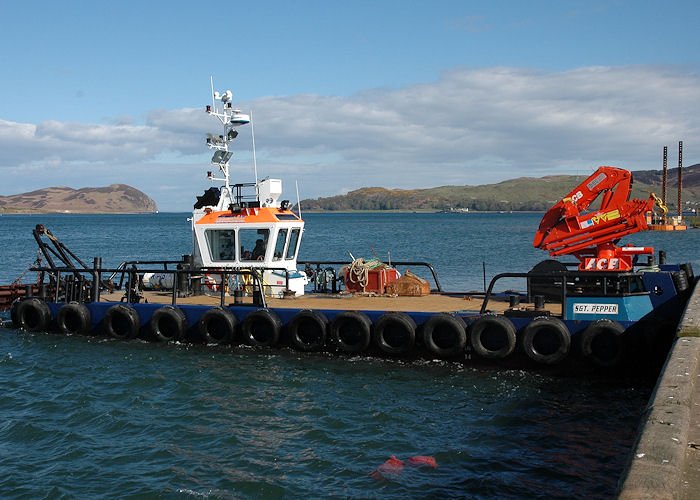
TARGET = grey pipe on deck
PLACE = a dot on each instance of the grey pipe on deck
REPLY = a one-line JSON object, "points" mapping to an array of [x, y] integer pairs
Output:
{"points": [[665, 460]]}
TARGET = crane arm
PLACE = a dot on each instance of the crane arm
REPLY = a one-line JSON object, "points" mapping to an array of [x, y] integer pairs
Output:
{"points": [[567, 229]]}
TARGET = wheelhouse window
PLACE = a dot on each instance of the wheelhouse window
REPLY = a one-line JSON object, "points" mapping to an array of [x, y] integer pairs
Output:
{"points": [[279, 245], [293, 242], [222, 244], [253, 243]]}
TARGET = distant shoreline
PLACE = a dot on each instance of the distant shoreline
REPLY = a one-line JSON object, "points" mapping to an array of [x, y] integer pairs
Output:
{"points": [[34, 212], [424, 211], [115, 198], [2, 212]]}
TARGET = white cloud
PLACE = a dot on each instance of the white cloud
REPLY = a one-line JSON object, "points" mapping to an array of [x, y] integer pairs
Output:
{"points": [[472, 126]]}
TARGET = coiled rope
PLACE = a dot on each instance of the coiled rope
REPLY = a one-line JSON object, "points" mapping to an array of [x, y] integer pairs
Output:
{"points": [[360, 268]]}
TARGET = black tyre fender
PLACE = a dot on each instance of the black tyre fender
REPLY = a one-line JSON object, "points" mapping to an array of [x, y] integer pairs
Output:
{"points": [[680, 281], [261, 328], [33, 315], [350, 331], [546, 340], [492, 336], [74, 318], [444, 335], [603, 343], [168, 323], [121, 322], [13, 312], [307, 330], [218, 325], [395, 333], [688, 269]]}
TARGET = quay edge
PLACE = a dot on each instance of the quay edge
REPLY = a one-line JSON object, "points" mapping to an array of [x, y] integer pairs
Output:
{"points": [[665, 460]]}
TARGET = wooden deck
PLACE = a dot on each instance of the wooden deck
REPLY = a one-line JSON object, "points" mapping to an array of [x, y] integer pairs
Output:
{"points": [[348, 302]]}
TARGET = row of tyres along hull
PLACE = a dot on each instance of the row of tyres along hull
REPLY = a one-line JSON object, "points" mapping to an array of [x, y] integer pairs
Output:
{"points": [[195, 312], [644, 339]]}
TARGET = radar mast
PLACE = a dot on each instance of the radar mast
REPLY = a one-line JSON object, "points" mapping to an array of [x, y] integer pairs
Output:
{"points": [[230, 118]]}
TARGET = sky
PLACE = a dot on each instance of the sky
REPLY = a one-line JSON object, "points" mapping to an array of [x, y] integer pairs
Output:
{"points": [[344, 95]]}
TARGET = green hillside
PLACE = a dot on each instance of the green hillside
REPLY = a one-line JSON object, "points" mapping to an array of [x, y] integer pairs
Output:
{"points": [[524, 193]]}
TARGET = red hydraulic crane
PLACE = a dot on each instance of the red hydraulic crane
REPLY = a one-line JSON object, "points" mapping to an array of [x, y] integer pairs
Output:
{"points": [[592, 237]]}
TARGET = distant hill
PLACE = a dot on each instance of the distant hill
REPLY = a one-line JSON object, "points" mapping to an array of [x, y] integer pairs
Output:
{"points": [[521, 194], [117, 198]]}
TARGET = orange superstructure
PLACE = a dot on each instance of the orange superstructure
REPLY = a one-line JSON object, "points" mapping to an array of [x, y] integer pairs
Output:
{"points": [[248, 216]]}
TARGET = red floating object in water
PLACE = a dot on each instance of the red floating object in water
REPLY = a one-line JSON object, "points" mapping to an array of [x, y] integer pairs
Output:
{"points": [[394, 466], [419, 460], [391, 467]]}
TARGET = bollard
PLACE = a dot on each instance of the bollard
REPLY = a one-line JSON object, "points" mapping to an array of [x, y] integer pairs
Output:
{"points": [[514, 301], [334, 283], [224, 281], [70, 284], [176, 293], [257, 291], [133, 284], [96, 279], [257, 296], [188, 260], [81, 287], [181, 282], [187, 264], [57, 287], [539, 302]]}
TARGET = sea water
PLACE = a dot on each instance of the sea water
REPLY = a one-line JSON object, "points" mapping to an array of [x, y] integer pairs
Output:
{"points": [[92, 417]]}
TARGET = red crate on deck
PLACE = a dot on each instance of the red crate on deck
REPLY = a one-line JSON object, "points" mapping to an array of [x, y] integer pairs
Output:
{"points": [[377, 279]]}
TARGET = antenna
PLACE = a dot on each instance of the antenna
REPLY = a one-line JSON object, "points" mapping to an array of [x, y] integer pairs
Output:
{"points": [[663, 184], [211, 80], [255, 163], [298, 200], [680, 178]]}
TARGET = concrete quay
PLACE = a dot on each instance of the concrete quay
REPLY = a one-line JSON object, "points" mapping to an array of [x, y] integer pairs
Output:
{"points": [[665, 460]]}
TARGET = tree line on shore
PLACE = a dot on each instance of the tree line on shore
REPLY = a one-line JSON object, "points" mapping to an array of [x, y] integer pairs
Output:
{"points": [[522, 194]]}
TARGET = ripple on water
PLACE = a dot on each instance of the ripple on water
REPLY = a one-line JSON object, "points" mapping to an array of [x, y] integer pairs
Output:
{"points": [[87, 417]]}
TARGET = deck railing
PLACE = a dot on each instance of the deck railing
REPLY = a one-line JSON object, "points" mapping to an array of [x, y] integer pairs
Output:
{"points": [[86, 285], [601, 283]]}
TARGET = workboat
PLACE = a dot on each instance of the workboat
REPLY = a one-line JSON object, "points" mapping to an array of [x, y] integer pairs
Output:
{"points": [[242, 284]]}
